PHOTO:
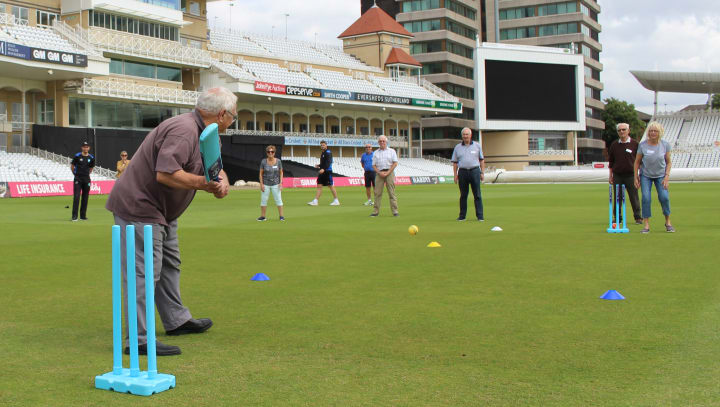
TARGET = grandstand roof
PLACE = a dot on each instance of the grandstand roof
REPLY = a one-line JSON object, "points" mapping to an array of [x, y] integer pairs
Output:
{"points": [[681, 82], [400, 57], [373, 21]]}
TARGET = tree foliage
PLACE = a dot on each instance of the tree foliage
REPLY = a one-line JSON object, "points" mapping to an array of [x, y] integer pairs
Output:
{"points": [[618, 111], [716, 101]]}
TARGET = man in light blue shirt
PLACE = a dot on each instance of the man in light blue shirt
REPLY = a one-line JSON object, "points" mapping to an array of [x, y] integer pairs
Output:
{"points": [[384, 161], [468, 168], [366, 162]]}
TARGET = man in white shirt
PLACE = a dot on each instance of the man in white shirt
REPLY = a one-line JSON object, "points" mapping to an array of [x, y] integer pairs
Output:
{"points": [[384, 162]]}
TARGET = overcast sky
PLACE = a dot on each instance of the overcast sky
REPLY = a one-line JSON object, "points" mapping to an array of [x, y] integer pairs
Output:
{"points": [[664, 35]]}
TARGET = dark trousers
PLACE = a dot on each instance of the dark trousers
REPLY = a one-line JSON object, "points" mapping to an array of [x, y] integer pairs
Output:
{"points": [[630, 191], [81, 186], [470, 178]]}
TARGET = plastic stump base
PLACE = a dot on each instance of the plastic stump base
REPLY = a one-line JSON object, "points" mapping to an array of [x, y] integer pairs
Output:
{"points": [[139, 385], [618, 230]]}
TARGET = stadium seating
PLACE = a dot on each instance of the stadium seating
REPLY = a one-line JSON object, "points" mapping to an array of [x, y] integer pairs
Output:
{"points": [[39, 38], [234, 71], [395, 87], [22, 167], [692, 135], [268, 72], [339, 81]]}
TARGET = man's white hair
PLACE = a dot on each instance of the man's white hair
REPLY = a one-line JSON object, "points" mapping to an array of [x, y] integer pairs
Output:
{"points": [[620, 124], [214, 100], [382, 138], [466, 128]]}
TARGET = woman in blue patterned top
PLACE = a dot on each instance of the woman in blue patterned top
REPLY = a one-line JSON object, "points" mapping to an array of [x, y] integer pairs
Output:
{"points": [[271, 176]]}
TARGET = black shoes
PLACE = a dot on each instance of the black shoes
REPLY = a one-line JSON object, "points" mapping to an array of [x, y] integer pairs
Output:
{"points": [[160, 349], [193, 326]]}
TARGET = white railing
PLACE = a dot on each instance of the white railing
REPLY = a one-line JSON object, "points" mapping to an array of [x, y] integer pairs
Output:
{"points": [[3, 117], [133, 91], [549, 152], [231, 132], [71, 35], [146, 47], [9, 19], [438, 91]]}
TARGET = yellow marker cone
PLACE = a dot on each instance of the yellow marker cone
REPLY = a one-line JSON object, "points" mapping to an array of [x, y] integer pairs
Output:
{"points": [[434, 244]]}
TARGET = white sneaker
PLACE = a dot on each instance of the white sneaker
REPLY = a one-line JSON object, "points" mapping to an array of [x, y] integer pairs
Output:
{"points": [[335, 203], [314, 202], [368, 203]]}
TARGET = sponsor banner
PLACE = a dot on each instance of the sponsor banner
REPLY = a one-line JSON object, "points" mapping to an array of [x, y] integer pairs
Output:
{"points": [[300, 91], [31, 189], [15, 50], [338, 94], [424, 180], [331, 142], [403, 181], [4, 190], [395, 100], [423, 102], [446, 180], [11, 49], [270, 87], [447, 105], [57, 57], [601, 164]]}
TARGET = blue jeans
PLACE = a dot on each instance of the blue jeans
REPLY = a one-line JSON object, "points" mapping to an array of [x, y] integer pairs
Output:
{"points": [[663, 195], [470, 178]]}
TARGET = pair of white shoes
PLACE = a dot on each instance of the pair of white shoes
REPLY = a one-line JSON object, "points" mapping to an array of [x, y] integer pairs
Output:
{"points": [[314, 202], [369, 202]]}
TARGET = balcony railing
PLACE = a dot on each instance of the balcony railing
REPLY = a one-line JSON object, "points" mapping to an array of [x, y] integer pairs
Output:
{"points": [[145, 47], [549, 152], [132, 91], [9, 19], [443, 95], [391, 139], [71, 35]]}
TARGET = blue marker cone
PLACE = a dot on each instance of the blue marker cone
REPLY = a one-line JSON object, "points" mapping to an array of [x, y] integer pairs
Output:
{"points": [[612, 295], [260, 277]]}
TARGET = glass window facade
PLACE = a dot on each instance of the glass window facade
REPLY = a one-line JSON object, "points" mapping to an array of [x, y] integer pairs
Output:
{"points": [[459, 49], [547, 141], [461, 9], [20, 13], [133, 25], [520, 12], [425, 47], [44, 18], [132, 68], [460, 29], [116, 114], [45, 111], [558, 8], [422, 25], [419, 5], [557, 29], [515, 33], [457, 90]]}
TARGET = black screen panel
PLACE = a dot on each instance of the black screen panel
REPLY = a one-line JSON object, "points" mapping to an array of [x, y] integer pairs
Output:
{"points": [[530, 91]]}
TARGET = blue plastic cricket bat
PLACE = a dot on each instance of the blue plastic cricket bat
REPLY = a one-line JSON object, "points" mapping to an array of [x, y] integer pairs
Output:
{"points": [[210, 152]]}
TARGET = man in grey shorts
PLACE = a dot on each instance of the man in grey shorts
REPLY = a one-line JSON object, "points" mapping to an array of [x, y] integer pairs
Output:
{"points": [[167, 170]]}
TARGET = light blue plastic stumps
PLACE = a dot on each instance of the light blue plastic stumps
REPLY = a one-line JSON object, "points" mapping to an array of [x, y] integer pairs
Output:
{"points": [[116, 301], [260, 277], [150, 300], [128, 380], [132, 303]]}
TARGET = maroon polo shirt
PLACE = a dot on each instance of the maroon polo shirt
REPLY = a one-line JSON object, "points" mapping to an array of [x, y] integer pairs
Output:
{"points": [[173, 145], [621, 156]]}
